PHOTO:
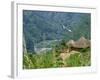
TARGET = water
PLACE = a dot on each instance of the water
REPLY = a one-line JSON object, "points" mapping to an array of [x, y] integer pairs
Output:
{"points": [[41, 50]]}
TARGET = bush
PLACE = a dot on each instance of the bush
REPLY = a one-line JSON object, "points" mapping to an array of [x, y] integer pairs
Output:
{"points": [[79, 59], [51, 59]]}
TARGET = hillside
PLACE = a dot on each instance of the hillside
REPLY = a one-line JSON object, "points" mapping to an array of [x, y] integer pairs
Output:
{"points": [[56, 39], [41, 26], [59, 56]]}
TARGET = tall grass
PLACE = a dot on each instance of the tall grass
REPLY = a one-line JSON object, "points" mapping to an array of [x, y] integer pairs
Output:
{"points": [[80, 59], [44, 60], [51, 59]]}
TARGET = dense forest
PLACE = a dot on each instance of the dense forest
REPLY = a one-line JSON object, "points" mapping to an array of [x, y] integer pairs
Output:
{"points": [[48, 32]]}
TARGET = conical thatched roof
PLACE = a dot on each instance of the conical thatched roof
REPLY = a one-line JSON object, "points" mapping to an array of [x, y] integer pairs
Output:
{"points": [[81, 43]]}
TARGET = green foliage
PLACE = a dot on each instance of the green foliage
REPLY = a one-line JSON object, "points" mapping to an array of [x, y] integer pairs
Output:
{"points": [[74, 60], [44, 60], [39, 26], [80, 59], [58, 62], [49, 29], [51, 59]]}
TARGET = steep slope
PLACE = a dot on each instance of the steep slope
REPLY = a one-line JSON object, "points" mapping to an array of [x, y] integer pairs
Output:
{"points": [[44, 25]]}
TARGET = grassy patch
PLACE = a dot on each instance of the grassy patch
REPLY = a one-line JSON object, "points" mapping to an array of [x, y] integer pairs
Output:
{"points": [[52, 59], [80, 59]]}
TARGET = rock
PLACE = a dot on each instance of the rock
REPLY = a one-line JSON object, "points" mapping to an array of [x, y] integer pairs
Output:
{"points": [[64, 56], [81, 43], [70, 43]]}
